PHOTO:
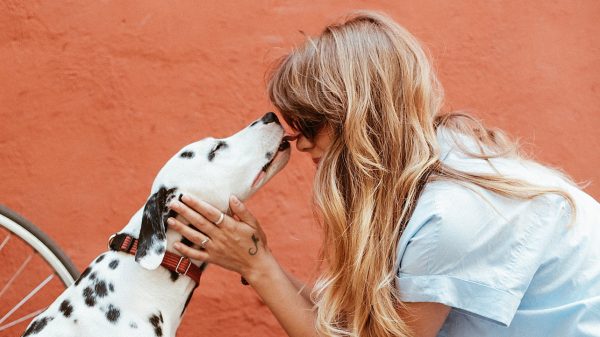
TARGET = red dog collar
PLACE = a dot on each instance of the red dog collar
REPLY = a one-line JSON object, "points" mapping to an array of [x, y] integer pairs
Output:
{"points": [[173, 262]]}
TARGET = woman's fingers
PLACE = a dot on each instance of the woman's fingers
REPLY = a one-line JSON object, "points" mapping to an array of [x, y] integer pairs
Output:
{"points": [[194, 217], [205, 209], [192, 235], [189, 233], [192, 253]]}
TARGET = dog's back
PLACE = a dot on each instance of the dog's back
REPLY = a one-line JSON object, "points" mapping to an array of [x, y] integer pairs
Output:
{"points": [[114, 296]]}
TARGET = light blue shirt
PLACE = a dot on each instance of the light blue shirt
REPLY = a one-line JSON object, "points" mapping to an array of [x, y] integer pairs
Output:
{"points": [[506, 267]]}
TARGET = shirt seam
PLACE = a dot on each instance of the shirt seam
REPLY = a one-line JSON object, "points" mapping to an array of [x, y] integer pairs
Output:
{"points": [[459, 279]]}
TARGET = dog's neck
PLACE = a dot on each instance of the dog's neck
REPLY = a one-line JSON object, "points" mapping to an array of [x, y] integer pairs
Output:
{"points": [[133, 229]]}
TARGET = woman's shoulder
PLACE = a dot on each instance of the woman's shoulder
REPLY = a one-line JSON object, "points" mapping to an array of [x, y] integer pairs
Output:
{"points": [[447, 212], [455, 202], [455, 207]]}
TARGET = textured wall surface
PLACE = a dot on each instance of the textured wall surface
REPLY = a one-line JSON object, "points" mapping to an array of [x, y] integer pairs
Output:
{"points": [[96, 95]]}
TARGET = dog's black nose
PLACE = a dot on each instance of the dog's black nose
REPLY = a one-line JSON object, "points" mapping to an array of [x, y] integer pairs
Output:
{"points": [[270, 117]]}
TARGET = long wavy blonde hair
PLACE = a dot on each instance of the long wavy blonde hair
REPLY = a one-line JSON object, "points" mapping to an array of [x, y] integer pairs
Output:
{"points": [[370, 80]]}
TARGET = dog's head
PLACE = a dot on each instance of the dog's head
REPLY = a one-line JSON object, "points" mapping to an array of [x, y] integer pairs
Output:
{"points": [[212, 170]]}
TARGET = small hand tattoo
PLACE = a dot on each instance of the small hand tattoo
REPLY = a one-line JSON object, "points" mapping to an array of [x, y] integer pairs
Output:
{"points": [[253, 251]]}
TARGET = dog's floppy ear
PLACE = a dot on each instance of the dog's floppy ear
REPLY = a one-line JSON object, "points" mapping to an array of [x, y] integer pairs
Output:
{"points": [[153, 238]]}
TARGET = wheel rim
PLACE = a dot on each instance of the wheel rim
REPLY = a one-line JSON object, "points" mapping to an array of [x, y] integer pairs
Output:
{"points": [[40, 247], [34, 277]]}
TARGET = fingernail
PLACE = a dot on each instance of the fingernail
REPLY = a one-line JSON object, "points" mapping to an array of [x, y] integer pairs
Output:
{"points": [[177, 245], [235, 200], [170, 221], [185, 197]]}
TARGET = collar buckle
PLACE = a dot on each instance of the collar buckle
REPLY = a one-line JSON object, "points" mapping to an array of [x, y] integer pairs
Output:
{"points": [[110, 240], [186, 269]]}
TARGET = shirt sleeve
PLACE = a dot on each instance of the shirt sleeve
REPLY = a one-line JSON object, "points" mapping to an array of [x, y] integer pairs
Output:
{"points": [[477, 253]]}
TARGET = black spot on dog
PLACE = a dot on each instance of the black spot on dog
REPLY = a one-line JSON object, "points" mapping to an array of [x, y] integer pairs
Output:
{"points": [[159, 250], [83, 275], [66, 308], [213, 152], [75, 321], [174, 276], [93, 276], [89, 297], [114, 264], [269, 155], [187, 154], [100, 258], [113, 313], [156, 323], [133, 325], [253, 123], [101, 289], [111, 287], [37, 326]]}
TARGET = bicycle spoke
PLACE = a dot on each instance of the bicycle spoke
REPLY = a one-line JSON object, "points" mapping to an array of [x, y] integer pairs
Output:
{"points": [[19, 320], [5, 241], [26, 298], [25, 283], [21, 268]]}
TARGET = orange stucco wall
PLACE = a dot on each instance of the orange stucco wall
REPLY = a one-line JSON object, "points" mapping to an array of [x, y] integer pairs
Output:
{"points": [[96, 95]]}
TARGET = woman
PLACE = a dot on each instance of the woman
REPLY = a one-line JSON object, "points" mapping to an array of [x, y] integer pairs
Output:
{"points": [[431, 223]]}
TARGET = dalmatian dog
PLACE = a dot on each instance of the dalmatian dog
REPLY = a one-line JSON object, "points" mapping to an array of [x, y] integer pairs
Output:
{"points": [[125, 294]]}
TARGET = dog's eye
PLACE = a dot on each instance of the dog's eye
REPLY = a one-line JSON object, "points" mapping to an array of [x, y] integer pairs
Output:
{"points": [[217, 147]]}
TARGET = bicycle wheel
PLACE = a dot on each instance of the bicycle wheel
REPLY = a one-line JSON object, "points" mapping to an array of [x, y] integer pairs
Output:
{"points": [[35, 271]]}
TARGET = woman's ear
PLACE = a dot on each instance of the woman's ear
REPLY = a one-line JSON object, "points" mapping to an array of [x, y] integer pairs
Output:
{"points": [[152, 242]]}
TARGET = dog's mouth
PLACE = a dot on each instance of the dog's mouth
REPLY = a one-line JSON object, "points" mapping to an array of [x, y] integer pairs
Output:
{"points": [[283, 145]]}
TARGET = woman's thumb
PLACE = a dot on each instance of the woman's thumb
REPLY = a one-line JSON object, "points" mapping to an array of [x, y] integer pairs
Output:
{"points": [[238, 208]]}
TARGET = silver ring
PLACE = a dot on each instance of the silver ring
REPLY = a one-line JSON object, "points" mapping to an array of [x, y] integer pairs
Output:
{"points": [[204, 242], [220, 219]]}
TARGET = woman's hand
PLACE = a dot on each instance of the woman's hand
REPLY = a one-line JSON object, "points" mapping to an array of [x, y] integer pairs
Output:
{"points": [[240, 245], [237, 245]]}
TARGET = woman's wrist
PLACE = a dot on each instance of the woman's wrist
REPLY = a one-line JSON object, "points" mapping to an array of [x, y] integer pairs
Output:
{"points": [[263, 267], [270, 281]]}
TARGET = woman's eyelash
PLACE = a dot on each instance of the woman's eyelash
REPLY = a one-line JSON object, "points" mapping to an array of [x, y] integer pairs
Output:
{"points": [[220, 145]]}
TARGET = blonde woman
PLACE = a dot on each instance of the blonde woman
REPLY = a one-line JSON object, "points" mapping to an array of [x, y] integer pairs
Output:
{"points": [[432, 223]]}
